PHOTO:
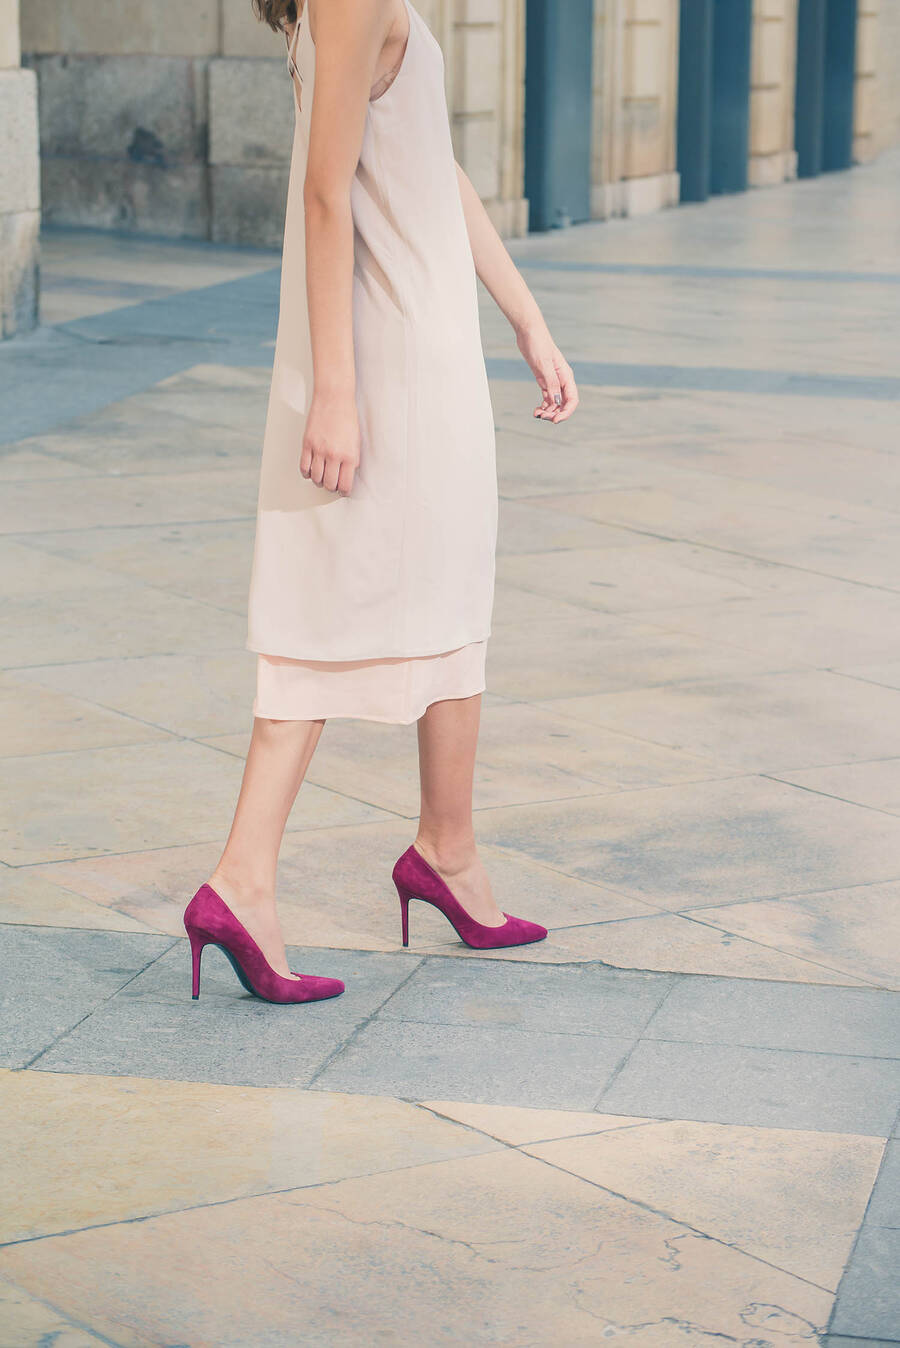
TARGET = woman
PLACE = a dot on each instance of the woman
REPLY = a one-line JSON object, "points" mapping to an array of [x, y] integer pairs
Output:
{"points": [[373, 570]]}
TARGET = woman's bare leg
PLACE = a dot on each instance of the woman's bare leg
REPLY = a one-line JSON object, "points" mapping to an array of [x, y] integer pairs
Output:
{"points": [[448, 736], [279, 755]]}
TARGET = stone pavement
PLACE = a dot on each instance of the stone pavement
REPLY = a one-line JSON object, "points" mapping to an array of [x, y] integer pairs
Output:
{"points": [[671, 1123]]}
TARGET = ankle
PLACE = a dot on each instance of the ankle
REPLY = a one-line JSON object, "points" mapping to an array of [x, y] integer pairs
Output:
{"points": [[249, 889], [447, 856]]}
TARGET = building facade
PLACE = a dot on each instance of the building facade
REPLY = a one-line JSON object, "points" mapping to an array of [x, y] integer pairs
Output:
{"points": [[175, 117]]}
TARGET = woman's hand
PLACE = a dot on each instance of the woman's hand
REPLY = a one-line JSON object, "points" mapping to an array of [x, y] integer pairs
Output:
{"points": [[330, 453], [551, 370]]}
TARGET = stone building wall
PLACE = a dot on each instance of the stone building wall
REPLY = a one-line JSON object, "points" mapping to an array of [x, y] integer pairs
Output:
{"points": [[19, 182], [176, 118], [772, 66], [484, 60], [888, 75], [134, 134], [866, 109], [878, 78], [635, 101]]}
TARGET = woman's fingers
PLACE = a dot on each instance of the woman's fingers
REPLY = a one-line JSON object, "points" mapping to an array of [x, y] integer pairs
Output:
{"points": [[317, 469], [548, 381], [331, 474], [330, 471], [345, 478], [560, 394], [544, 405], [569, 393]]}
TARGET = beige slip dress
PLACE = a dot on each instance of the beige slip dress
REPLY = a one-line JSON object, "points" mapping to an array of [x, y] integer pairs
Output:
{"points": [[378, 603]]}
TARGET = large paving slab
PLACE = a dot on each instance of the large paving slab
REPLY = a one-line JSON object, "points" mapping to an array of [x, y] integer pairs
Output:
{"points": [[855, 929], [207, 561], [498, 1247], [772, 1088], [266, 1139], [216, 690], [778, 1015], [705, 843], [132, 797], [227, 1035], [571, 1000], [54, 979], [729, 1181], [869, 1300], [771, 723]]}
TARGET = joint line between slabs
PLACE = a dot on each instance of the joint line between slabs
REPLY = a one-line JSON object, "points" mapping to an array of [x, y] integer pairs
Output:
{"points": [[678, 1221], [695, 543], [362, 1025], [240, 1198], [689, 915], [830, 795], [859, 1230], [103, 1001]]}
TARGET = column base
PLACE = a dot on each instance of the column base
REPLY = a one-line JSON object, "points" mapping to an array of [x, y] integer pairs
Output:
{"points": [[635, 196], [767, 170]]}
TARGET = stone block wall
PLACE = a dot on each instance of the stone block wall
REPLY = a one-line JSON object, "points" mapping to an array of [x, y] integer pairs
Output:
{"points": [[877, 110], [772, 80], [19, 182], [650, 100], [251, 123], [887, 68], [484, 62], [176, 118], [123, 141], [634, 106], [136, 130]]}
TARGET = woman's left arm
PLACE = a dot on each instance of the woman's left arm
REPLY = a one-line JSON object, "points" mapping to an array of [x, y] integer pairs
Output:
{"points": [[507, 287]]}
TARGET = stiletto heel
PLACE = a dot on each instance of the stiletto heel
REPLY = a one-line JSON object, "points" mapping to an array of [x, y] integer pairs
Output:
{"points": [[415, 879], [404, 914], [209, 921], [197, 944]]}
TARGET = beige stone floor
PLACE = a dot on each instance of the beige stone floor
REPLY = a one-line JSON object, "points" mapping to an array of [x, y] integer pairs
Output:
{"points": [[690, 769], [231, 1215]]}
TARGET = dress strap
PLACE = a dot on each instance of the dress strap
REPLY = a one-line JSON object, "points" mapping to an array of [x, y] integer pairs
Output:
{"points": [[291, 42]]}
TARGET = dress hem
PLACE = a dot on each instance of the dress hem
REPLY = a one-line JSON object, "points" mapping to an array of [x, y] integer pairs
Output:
{"points": [[305, 656], [362, 716]]}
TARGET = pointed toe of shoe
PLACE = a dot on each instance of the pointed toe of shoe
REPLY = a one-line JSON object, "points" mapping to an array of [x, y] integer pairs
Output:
{"points": [[320, 989], [523, 932]]}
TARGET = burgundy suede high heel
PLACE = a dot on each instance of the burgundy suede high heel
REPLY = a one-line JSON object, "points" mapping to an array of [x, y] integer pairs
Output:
{"points": [[209, 921], [415, 879]]}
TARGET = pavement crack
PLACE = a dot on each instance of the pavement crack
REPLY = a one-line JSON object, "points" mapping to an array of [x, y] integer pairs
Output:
{"points": [[775, 1319], [478, 1248]]}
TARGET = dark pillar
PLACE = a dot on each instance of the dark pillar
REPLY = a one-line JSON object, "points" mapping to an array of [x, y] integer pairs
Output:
{"points": [[695, 57], [730, 137], [840, 84], [809, 98], [558, 51]]}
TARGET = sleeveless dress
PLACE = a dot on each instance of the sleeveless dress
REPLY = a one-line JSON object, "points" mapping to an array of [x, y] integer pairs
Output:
{"points": [[378, 603]]}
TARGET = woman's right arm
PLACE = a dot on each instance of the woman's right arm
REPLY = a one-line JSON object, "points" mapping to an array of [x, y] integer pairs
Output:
{"points": [[349, 37]]}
